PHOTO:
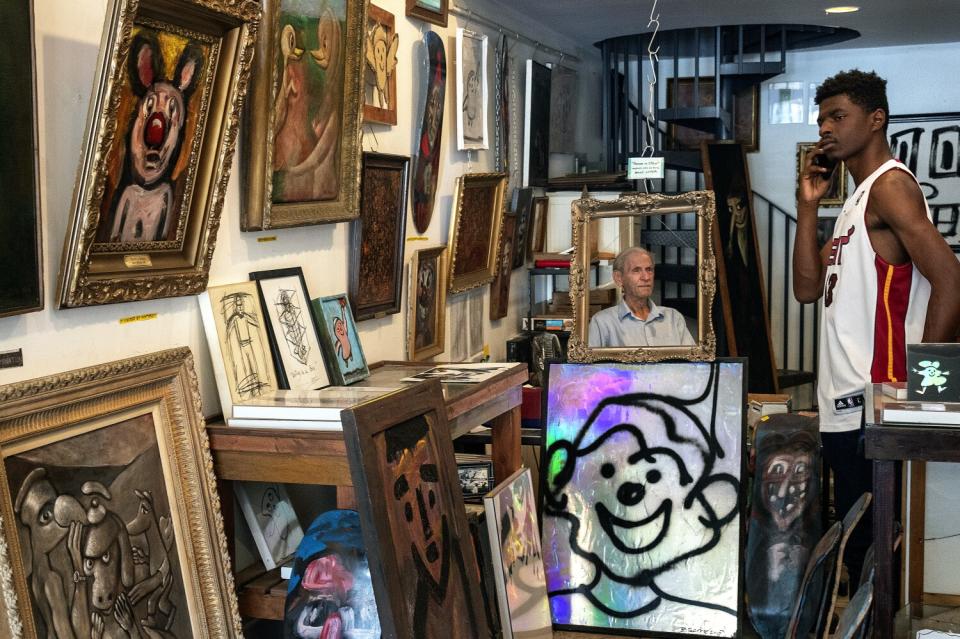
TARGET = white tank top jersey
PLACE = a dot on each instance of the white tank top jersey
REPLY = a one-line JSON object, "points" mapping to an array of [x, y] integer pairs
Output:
{"points": [[871, 310]]}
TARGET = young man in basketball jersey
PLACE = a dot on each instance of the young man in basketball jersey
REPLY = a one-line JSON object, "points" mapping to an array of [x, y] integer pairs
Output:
{"points": [[887, 277]]}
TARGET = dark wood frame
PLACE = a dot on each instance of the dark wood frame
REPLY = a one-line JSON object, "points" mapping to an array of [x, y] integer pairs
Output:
{"points": [[28, 252], [439, 344], [500, 289], [278, 366], [361, 424], [521, 232], [371, 112], [772, 383], [379, 162], [414, 10], [538, 226]]}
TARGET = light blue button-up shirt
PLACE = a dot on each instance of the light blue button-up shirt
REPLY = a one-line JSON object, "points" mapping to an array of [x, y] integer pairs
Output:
{"points": [[617, 326]]}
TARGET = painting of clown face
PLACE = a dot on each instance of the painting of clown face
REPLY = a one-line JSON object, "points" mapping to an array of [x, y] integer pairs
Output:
{"points": [[641, 525]]}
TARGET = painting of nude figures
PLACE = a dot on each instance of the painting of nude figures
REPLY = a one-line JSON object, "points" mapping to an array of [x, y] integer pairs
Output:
{"points": [[303, 129]]}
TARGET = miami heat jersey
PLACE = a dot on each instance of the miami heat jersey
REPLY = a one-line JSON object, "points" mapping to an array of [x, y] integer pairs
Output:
{"points": [[870, 311]]}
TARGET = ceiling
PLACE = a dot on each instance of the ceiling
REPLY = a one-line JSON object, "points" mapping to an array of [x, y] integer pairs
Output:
{"points": [[880, 22]]}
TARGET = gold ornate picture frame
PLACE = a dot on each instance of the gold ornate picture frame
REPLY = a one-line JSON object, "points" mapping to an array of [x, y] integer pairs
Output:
{"points": [[162, 127], [478, 202], [627, 210], [109, 505], [302, 137]]}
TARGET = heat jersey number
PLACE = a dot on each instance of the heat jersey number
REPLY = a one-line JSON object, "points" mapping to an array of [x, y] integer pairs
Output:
{"points": [[831, 283]]}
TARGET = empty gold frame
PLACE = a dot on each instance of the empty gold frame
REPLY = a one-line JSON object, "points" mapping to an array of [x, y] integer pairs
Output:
{"points": [[633, 208]]}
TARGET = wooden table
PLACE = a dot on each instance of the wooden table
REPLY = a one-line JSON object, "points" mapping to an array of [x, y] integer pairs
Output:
{"points": [[314, 457], [887, 445]]}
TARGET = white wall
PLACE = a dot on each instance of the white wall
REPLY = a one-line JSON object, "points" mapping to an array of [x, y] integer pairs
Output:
{"points": [[67, 35]]}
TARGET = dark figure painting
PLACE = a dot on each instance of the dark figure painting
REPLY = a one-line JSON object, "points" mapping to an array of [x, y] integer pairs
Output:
{"points": [[427, 155]]}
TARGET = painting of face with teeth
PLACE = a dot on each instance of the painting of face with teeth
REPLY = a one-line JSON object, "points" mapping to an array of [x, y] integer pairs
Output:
{"points": [[641, 522]]}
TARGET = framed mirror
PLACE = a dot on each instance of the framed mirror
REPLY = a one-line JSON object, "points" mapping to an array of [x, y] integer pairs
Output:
{"points": [[649, 294]]}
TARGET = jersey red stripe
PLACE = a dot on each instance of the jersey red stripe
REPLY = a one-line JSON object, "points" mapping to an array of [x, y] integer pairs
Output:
{"points": [[889, 339]]}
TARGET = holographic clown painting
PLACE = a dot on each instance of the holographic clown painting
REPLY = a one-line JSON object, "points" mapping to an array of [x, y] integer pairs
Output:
{"points": [[642, 515]]}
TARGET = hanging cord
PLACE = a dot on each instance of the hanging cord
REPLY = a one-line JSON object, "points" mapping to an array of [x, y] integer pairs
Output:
{"points": [[652, 56]]}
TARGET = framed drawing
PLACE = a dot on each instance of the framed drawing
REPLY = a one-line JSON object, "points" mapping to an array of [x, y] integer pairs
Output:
{"points": [[745, 114], [927, 144], [472, 91], [414, 524], [341, 343], [292, 329], [500, 286], [523, 207], [302, 124], [161, 134], [743, 294], [475, 229], [239, 346], [427, 298], [837, 192], [476, 479], [642, 470], [563, 110], [380, 44], [538, 226], [377, 237], [426, 163], [536, 125], [514, 538], [110, 513], [434, 11], [273, 523], [21, 248]]}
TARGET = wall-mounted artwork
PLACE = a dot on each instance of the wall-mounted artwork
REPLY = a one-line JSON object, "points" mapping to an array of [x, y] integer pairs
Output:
{"points": [[745, 112], [500, 286], [377, 237], [239, 346], [427, 295], [517, 558], [21, 249], [836, 193], [380, 44], [642, 477], [475, 229], [426, 163], [414, 524], [273, 523], [302, 127], [292, 328], [111, 519], [472, 90], [330, 593], [523, 207], [341, 342], [538, 226], [536, 125], [162, 129], [434, 11], [563, 110]]}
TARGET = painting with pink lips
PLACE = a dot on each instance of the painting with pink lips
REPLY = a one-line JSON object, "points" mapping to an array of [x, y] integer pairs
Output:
{"points": [[643, 465], [340, 341]]}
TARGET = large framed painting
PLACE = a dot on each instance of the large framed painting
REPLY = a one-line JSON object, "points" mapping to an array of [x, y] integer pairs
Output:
{"points": [[21, 248], [836, 193], [745, 114], [500, 286], [475, 229], [434, 11], [536, 125], [292, 328], [472, 91], [377, 237], [341, 342], [928, 143], [161, 129], [642, 472], [740, 281], [380, 44], [110, 514], [427, 300], [302, 124], [403, 468]]}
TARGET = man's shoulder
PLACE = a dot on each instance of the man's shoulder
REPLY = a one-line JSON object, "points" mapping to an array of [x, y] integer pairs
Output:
{"points": [[611, 312]]}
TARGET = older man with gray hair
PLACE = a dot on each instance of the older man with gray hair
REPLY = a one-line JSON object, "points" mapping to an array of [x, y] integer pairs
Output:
{"points": [[636, 320]]}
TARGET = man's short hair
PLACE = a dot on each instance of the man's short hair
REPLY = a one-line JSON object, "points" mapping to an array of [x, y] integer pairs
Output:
{"points": [[620, 261], [865, 89]]}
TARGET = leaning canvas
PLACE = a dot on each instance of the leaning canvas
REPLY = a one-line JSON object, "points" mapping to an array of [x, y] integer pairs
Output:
{"points": [[642, 476], [517, 558], [341, 342], [273, 523]]}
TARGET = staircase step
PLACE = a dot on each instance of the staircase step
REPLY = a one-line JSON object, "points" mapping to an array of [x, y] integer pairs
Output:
{"points": [[789, 378], [669, 237], [705, 118], [682, 273], [683, 160]]}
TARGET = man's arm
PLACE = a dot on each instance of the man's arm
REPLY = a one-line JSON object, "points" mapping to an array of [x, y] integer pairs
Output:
{"points": [[898, 202], [809, 260]]}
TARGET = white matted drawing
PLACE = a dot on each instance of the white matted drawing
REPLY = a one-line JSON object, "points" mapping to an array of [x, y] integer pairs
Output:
{"points": [[472, 90]]}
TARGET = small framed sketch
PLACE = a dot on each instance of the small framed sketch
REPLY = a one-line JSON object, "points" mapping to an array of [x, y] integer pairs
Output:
{"points": [[475, 230], [427, 296], [434, 11], [836, 194], [297, 354], [476, 478], [472, 90], [273, 523], [380, 43], [341, 343], [538, 226]]}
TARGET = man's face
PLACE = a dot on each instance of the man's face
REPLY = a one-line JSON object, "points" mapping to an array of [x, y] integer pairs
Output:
{"points": [[845, 127], [636, 278], [416, 494]]}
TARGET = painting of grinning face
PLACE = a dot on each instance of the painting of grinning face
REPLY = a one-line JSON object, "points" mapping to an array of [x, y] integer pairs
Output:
{"points": [[786, 479]]}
